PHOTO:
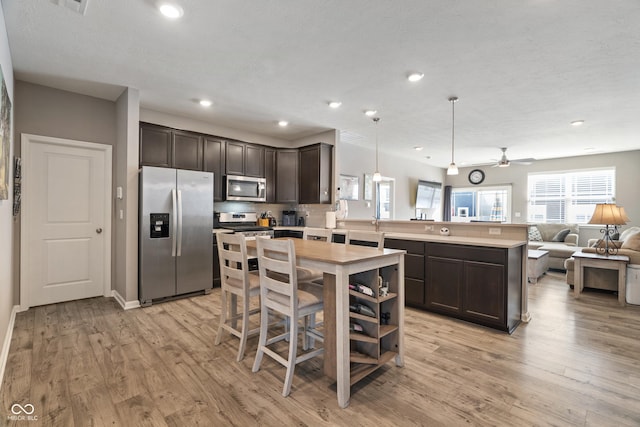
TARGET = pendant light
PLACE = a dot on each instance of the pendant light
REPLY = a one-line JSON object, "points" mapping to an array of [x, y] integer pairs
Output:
{"points": [[376, 175], [452, 169]]}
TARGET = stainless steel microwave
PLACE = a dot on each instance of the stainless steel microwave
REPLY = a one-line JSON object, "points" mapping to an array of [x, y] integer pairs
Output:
{"points": [[246, 188]]}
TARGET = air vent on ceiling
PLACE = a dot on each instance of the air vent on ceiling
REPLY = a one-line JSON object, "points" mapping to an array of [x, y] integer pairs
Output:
{"points": [[79, 6], [348, 136]]}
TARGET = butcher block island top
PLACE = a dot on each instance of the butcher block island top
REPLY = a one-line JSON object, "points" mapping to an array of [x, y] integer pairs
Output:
{"points": [[351, 356]]}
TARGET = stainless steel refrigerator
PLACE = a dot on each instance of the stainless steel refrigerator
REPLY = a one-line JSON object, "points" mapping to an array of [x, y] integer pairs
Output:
{"points": [[175, 233]]}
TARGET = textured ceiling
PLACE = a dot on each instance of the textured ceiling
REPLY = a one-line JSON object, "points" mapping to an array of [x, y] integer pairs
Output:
{"points": [[523, 70]]}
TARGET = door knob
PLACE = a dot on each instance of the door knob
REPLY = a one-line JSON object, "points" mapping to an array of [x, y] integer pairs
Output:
{"points": [[98, 230]]}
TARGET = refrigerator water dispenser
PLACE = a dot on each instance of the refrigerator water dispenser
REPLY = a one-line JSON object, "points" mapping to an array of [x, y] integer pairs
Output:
{"points": [[159, 223]]}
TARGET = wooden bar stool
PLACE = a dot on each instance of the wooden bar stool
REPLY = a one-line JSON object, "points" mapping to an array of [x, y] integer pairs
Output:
{"points": [[236, 280], [309, 233], [365, 238], [279, 293]]}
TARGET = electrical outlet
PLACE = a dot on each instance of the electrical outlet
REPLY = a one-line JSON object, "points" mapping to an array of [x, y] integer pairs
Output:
{"points": [[428, 228], [495, 231]]}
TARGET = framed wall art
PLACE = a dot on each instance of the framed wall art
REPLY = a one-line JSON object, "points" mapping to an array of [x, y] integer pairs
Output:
{"points": [[5, 138], [349, 187]]}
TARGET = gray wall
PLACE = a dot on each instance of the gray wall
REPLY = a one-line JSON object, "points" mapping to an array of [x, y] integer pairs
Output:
{"points": [[358, 160], [6, 209], [125, 214], [41, 110]]}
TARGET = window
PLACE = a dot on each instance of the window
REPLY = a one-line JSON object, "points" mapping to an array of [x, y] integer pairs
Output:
{"points": [[385, 198], [569, 197], [486, 204]]}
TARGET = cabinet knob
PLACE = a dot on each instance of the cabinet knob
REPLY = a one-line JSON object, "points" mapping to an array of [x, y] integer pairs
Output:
{"points": [[98, 230]]}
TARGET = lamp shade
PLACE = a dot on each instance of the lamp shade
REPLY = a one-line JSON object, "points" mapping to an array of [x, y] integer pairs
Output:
{"points": [[607, 214], [623, 214]]}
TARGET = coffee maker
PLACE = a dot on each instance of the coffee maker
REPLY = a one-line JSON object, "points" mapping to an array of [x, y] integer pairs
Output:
{"points": [[288, 218]]}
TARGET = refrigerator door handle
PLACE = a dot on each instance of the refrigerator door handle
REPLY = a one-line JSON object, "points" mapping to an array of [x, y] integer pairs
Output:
{"points": [[179, 236], [175, 222]]}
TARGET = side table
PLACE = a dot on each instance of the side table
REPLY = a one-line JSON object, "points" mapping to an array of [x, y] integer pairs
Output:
{"points": [[610, 262]]}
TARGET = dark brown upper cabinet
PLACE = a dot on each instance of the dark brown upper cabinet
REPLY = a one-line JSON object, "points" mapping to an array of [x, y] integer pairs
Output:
{"points": [[315, 174], [287, 176], [187, 150], [170, 148], [270, 173], [214, 161], [245, 159], [156, 148]]}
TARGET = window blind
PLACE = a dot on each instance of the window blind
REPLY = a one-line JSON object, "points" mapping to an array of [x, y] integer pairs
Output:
{"points": [[569, 197]]}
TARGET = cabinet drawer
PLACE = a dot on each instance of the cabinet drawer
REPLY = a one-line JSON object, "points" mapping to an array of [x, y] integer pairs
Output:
{"points": [[411, 246], [474, 253], [414, 266]]}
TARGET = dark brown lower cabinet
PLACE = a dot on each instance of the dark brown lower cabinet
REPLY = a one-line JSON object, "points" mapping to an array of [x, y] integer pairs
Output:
{"points": [[444, 284], [478, 284], [413, 269]]}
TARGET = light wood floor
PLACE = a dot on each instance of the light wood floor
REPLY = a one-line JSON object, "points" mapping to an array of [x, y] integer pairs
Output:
{"points": [[90, 363]]}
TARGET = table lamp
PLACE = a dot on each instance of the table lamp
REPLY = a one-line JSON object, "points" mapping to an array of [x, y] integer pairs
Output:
{"points": [[607, 214]]}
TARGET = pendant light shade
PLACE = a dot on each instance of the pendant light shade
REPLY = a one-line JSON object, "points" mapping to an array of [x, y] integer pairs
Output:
{"points": [[376, 175], [452, 169]]}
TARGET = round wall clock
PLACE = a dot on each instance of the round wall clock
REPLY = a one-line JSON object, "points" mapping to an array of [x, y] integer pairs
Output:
{"points": [[476, 176]]}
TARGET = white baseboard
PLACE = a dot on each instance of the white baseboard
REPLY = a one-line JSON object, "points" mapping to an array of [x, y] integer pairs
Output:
{"points": [[126, 305], [4, 354]]}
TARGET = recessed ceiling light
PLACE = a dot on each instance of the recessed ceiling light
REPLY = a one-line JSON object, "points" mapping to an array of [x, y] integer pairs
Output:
{"points": [[283, 123], [335, 104], [205, 103], [371, 113], [418, 148], [577, 123], [415, 77], [171, 10], [589, 149]]}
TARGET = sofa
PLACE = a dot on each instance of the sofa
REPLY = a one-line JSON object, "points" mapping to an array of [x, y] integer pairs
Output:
{"points": [[560, 240], [628, 244]]}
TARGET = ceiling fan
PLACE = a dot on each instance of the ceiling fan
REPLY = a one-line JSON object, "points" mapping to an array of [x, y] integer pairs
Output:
{"points": [[504, 162]]}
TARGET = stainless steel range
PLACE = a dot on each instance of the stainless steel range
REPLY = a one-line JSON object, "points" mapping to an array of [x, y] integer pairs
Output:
{"points": [[242, 222]]}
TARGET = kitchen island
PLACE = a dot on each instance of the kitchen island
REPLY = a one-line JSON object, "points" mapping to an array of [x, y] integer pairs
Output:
{"points": [[350, 357], [477, 273]]}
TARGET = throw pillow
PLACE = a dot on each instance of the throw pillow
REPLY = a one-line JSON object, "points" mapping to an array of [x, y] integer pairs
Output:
{"points": [[629, 232], [534, 234], [561, 235], [632, 242]]}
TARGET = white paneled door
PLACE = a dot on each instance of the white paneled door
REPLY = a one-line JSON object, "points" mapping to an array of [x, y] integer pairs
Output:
{"points": [[66, 220]]}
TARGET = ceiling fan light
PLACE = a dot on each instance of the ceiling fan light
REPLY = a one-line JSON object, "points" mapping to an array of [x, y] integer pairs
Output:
{"points": [[503, 164], [452, 169]]}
